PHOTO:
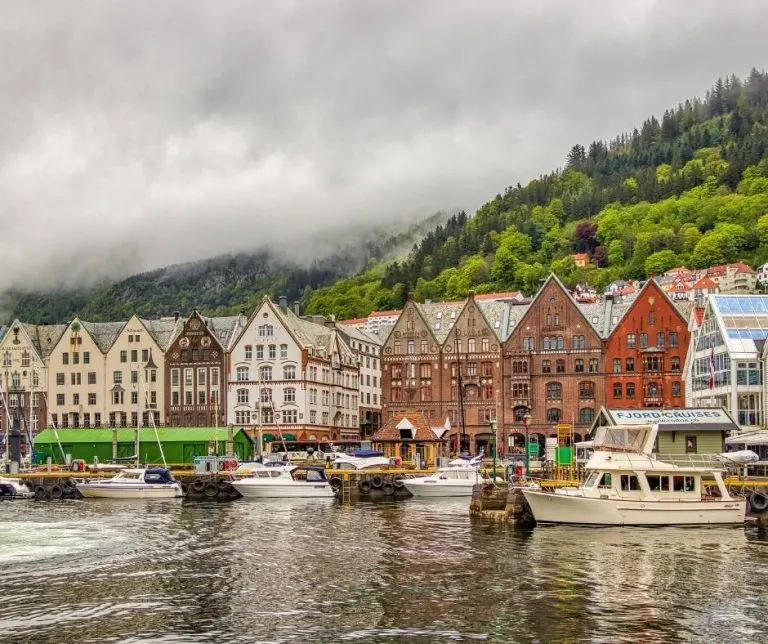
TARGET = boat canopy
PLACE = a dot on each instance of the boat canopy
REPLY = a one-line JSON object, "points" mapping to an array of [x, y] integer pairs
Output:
{"points": [[756, 437], [367, 453], [158, 475], [625, 438]]}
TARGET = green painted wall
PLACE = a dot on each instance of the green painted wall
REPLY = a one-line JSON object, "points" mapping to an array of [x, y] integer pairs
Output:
{"points": [[706, 442]]}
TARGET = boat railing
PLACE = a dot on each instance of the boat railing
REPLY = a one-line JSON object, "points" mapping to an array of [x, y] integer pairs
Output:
{"points": [[709, 461]]}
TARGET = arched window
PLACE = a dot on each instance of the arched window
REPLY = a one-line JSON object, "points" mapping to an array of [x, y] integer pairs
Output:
{"points": [[553, 415], [586, 415], [587, 390], [242, 396], [242, 373], [266, 331], [554, 391], [289, 372]]}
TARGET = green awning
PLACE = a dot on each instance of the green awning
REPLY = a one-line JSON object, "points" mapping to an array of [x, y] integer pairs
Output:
{"points": [[268, 438], [289, 437]]}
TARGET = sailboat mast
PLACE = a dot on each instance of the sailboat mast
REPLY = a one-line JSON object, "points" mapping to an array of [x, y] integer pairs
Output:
{"points": [[151, 416]]}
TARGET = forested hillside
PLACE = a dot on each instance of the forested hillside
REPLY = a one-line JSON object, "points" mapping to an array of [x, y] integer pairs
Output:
{"points": [[219, 286], [691, 188]]}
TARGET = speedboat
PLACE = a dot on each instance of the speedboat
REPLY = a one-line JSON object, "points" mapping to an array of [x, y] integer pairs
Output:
{"points": [[14, 489], [627, 484], [360, 460], [148, 483], [295, 481], [457, 479]]}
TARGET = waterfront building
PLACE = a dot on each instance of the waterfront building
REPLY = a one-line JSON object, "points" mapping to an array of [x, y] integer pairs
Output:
{"points": [[727, 357], [135, 368], [77, 380], [196, 374], [24, 351], [292, 378], [411, 435], [645, 353]]}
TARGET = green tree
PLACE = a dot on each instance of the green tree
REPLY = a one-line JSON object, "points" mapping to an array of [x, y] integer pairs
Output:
{"points": [[660, 261]]}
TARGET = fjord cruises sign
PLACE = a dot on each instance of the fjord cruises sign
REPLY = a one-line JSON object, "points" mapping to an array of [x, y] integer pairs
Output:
{"points": [[669, 416]]}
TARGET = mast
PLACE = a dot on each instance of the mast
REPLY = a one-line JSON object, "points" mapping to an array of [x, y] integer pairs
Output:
{"points": [[6, 455], [151, 417], [55, 431]]}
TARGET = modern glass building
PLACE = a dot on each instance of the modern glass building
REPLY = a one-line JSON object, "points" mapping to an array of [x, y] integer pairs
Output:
{"points": [[728, 354]]}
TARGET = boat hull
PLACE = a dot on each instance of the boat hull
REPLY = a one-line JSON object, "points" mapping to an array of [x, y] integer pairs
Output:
{"points": [[447, 489], [286, 490], [106, 491], [548, 507]]}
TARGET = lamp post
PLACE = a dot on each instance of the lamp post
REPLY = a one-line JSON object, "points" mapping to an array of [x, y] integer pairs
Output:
{"points": [[492, 425], [526, 420]]}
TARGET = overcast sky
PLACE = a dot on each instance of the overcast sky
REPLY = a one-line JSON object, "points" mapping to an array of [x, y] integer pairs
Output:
{"points": [[134, 134]]}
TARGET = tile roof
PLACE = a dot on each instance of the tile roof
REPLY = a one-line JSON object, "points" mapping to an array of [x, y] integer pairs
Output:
{"points": [[502, 316], [389, 431], [224, 328], [354, 321], [104, 334], [440, 317], [163, 330], [384, 331], [358, 334], [705, 282], [380, 314], [506, 295], [698, 313]]}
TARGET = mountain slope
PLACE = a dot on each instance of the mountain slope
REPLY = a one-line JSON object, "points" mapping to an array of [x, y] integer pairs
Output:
{"points": [[691, 188]]}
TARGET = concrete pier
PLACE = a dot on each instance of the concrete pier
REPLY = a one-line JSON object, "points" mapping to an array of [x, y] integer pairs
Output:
{"points": [[500, 503]]}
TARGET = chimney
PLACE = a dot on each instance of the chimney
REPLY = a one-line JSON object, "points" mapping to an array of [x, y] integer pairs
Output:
{"points": [[176, 316], [410, 296], [297, 308], [283, 302], [242, 311]]}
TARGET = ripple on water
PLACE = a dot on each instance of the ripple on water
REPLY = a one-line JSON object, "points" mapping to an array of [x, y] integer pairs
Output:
{"points": [[299, 571]]}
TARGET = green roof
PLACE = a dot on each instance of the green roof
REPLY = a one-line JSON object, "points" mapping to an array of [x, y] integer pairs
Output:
{"points": [[147, 434]]}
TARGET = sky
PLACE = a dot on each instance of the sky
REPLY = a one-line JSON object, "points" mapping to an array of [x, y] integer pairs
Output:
{"points": [[135, 134]]}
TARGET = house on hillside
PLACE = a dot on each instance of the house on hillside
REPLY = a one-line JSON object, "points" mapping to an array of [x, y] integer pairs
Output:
{"points": [[580, 259]]}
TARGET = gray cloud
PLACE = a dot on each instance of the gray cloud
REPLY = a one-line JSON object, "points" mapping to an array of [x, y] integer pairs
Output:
{"points": [[137, 134]]}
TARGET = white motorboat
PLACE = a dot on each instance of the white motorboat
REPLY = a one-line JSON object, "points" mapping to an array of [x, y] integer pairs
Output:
{"points": [[11, 488], [457, 479], [284, 483], [626, 484], [148, 483], [360, 460]]}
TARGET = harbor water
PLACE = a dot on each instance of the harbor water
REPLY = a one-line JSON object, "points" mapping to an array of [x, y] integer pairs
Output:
{"points": [[314, 571]]}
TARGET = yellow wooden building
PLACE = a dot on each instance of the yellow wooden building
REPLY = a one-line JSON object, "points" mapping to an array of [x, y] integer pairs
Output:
{"points": [[409, 435]]}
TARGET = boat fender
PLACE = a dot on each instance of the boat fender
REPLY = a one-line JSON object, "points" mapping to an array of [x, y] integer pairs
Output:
{"points": [[335, 482], [377, 481], [56, 492], [211, 490], [758, 501], [40, 493], [224, 486], [398, 481], [184, 489], [68, 486], [198, 485], [365, 486], [388, 489]]}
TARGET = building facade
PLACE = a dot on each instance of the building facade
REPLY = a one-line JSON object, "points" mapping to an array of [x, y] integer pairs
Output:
{"points": [[645, 353]]}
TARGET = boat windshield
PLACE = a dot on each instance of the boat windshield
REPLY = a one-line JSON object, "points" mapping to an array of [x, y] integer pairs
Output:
{"points": [[130, 476], [591, 479]]}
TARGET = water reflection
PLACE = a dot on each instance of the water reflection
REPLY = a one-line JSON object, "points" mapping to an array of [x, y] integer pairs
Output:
{"points": [[310, 570]]}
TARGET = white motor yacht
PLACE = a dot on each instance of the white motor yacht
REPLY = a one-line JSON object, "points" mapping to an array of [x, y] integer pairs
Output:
{"points": [[457, 479], [626, 484], [285, 482], [148, 483], [11, 488]]}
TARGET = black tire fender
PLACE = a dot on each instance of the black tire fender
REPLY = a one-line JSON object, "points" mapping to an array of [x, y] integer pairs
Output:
{"points": [[198, 485], [388, 489], [365, 486], [335, 483], [56, 492], [398, 481], [211, 490], [758, 502], [377, 481]]}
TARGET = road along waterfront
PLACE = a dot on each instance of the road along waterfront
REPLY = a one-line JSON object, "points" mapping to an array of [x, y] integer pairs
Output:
{"points": [[412, 571]]}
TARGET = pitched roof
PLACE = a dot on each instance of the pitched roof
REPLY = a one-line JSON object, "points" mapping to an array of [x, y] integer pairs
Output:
{"points": [[440, 317], [104, 334], [390, 431], [146, 434], [698, 312], [353, 321], [506, 295], [380, 314], [705, 282], [580, 256], [358, 334], [741, 267], [223, 328]]}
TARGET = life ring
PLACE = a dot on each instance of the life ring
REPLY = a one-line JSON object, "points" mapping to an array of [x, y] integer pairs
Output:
{"points": [[398, 481], [365, 486], [377, 481], [40, 493], [335, 483], [211, 490], [56, 492], [198, 485], [758, 502], [388, 489]]}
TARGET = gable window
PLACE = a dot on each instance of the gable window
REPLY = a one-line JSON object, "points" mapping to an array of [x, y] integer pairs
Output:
{"points": [[660, 339], [630, 340], [485, 345], [529, 344], [553, 415], [578, 342], [266, 331], [411, 347], [672, 339], [643, 340], [471, 348], [259, 351], [283, 350], [651, 318]]}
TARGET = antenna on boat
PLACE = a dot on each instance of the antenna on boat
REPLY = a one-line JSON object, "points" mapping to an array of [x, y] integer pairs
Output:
{"points": [[150, 414]]}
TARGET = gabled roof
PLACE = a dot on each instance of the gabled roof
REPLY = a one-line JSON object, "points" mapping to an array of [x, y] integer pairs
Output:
{"points": [[698, 313], [353, 321], [705, 282], [505, 295], [676, 306], [446, 313], [741, 267], [390, 430], [103, 334], [223, 328], [162, 331], [358, 334]]}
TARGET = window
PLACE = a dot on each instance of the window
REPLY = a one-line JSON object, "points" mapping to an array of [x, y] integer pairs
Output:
{"points": [[189, 375], [684, 483], [134, 377], [690, 445], [578, 342], [471, 368], [617, 365], [554, 391], [520, 390], [75, 399], [651, 318], [397, 394], [553, 415], [214, 377], [75, 378], [652, 363], [123, 356], [578, 366], [91, 399], [398, 347], [201, 373], [145, 355], [629, 483], [520, 366], [630, 362], [242, 396], [586, 415], [175, 398], [643, 340], [266, 331], [266, 395], [265, 373], [630, 340], [660, 339], [546, 366], [560, 366], [290, 417], [59, 379], [673, 339], [174, 377], [529, 344], [259, 351], [411, 347], [630, 390], [675, 363], [289, 372], [425, 370], [283, 350], [658, 483], [289, 395], [586, 390], [312, 417], [134, 355], [617, 390], [242, 373], [248, 352], [272, 351], [485, 345], [676, 389], [593, 365], [117, 377], [426, 393], [134, 397]]}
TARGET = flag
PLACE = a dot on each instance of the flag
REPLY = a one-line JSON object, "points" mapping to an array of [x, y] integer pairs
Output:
{"points": [[711, 382]]}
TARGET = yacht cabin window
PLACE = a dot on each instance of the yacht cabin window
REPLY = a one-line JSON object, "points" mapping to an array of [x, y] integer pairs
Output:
{"points": [[658, 483], [629, 483], [684, 483], [591, 480], [606, 481]]}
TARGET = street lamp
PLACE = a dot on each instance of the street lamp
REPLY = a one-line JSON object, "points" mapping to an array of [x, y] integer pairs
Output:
{"points": [[526, 420], [492, 425]]}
